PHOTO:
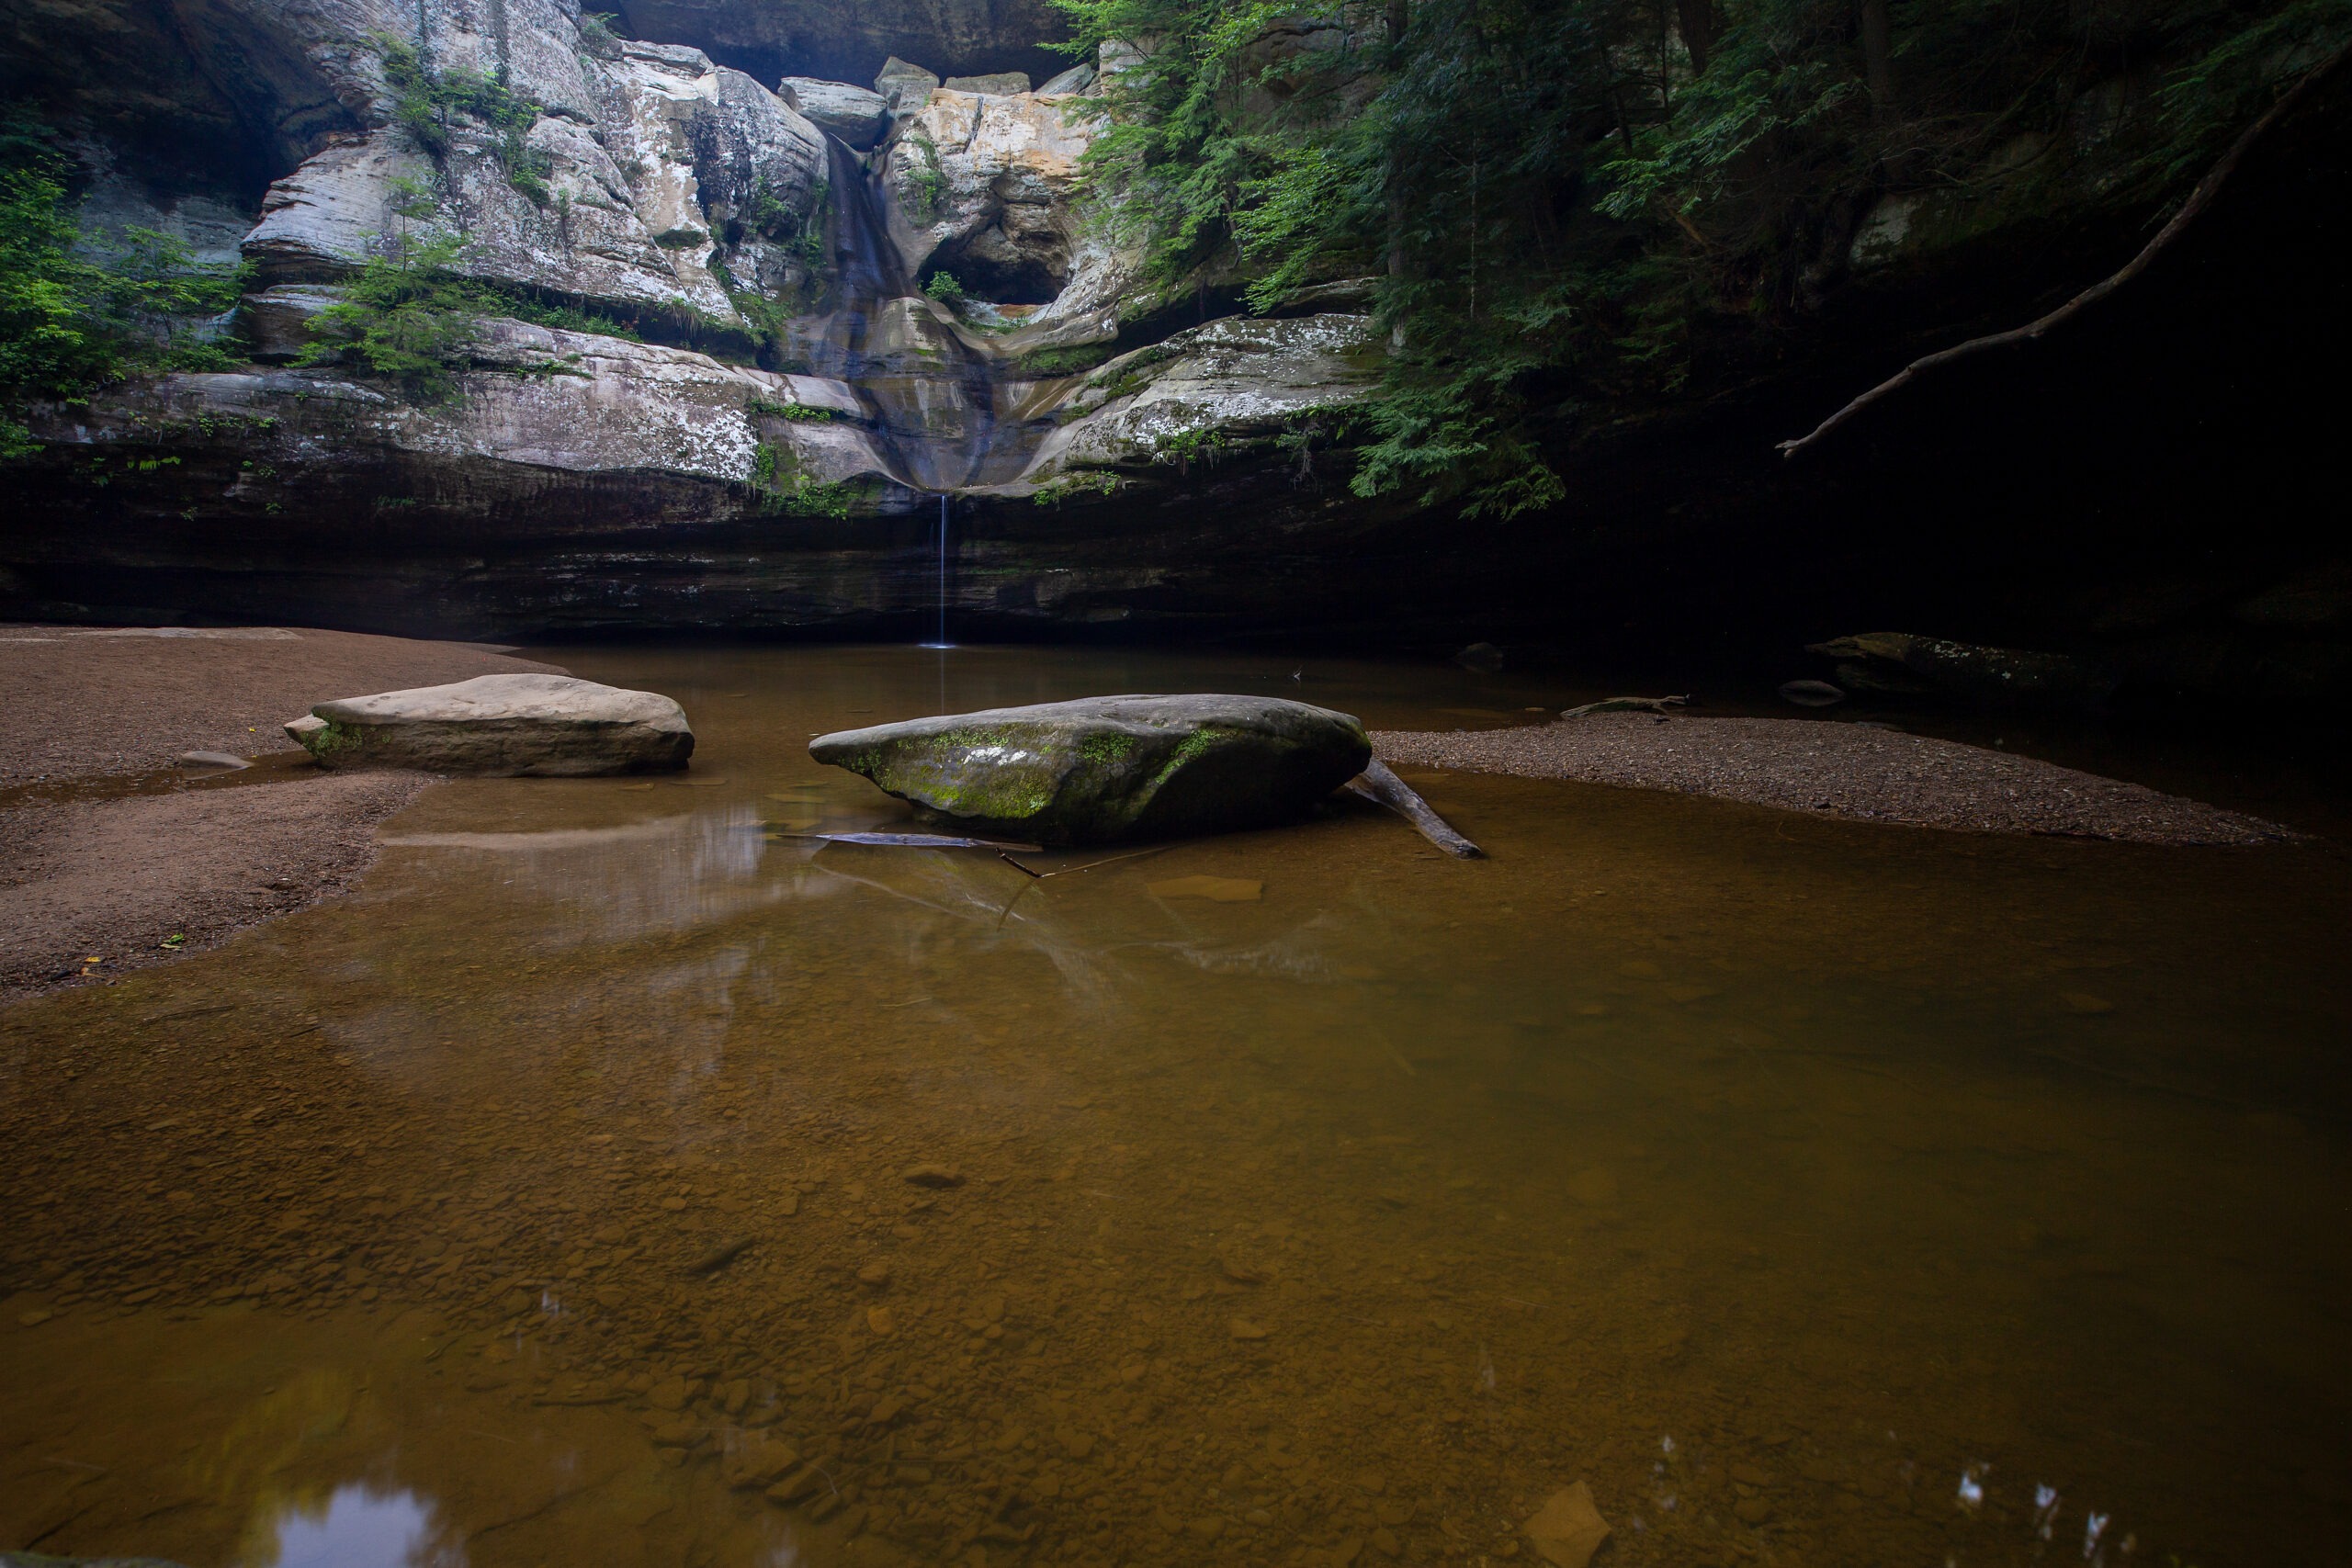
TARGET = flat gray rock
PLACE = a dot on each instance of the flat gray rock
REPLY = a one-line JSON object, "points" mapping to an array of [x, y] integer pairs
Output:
{"points": [[501, 726], [851, 113], [1000, 84], [1106, 769]]}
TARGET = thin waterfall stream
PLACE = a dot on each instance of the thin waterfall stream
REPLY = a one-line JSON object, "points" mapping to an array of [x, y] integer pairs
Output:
{"points": [[939, 639], [929, 391]]}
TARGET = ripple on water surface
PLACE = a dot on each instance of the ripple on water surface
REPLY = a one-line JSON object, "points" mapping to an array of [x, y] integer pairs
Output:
{"points": [[620, 1178]]}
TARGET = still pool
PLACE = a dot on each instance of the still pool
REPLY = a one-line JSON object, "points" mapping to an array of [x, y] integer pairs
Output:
{"points": [[617, 1177]]}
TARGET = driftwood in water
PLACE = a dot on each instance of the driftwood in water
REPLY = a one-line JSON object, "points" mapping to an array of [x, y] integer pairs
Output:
{"points": [[918, 842], [1377, 781], [1630, 705]]}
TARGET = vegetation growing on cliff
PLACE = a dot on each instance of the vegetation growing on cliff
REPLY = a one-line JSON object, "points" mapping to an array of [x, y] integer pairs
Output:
{"points": [[79, 310], [407, 314], [1567, 201], [425, 102]]}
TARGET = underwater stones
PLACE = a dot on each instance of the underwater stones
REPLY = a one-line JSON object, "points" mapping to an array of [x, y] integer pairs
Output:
{"points": [[1811, 694], [1483, 657], [1102, 770], [1568, 1529], [499, 727]]}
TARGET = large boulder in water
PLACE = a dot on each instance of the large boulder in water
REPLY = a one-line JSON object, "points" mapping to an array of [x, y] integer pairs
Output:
{"points": [[1103, 769], [501, 726]]}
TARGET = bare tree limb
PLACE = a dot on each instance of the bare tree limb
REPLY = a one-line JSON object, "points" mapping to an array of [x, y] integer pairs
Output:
{"points": [[1378, 782], [2199, 200]]}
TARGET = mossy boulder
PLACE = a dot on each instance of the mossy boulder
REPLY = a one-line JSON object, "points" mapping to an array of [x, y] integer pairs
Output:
{"points": [[1106, 769], [499, 727]]}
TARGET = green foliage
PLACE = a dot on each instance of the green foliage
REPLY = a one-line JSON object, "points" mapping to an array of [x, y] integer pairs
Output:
{"points": [[425, 101], [806, 413], [79, 310], [1563, 210], [948, 289], [1185, 448], [1047, 364], [406, 316], [786, 487], [2235, 81], [410, 315], [1070, 486], [522, 307], [597, 34], [928, 176]]}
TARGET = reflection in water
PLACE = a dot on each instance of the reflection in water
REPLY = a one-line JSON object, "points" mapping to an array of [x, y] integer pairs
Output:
{"points": [[359, 1527], [669, 1189]]}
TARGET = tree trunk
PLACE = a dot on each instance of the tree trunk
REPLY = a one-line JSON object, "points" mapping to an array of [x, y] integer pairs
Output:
{"points": [[1878, 57], [1696, 20]]}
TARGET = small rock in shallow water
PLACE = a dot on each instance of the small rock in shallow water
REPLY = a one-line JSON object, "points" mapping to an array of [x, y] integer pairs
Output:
{"points": [[1597, 1185], [1568, 1529], [213, 762], [1242, 1328], [1483, 657], [1811, 694]]}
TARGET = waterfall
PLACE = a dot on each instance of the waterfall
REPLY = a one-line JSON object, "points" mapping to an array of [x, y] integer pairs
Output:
{"points": [[939, 638], [930, 395]]}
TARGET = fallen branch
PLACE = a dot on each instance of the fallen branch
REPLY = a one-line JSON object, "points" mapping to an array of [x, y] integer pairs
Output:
{"points": [[2032, 332], [914, 842], [1630, 705], [1377, 781]]}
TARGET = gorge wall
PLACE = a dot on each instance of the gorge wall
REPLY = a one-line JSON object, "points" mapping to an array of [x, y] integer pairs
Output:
{"points": [[1120, 459]]}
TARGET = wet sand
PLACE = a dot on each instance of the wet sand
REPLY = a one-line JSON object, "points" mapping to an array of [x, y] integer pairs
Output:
{"points": [[1861, 772], [109, 852]]}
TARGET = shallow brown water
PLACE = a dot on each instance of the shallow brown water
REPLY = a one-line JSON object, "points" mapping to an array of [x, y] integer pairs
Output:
{"points": [[1817, 1192]]}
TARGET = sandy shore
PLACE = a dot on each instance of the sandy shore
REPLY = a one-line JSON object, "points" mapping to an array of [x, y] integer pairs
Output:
{"points": [[106, 854], [1852, 771]]}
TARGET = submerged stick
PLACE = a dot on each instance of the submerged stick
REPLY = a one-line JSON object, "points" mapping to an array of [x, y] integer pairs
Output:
{"points": [[1630, 705], [1377, 781], [917, 842]]}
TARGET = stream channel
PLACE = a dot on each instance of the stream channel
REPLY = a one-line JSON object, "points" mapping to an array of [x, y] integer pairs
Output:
{"points": [[1819, 1193]]}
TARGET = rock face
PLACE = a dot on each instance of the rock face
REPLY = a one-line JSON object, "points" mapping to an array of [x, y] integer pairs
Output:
{"points": [[1897, 664], [1106, 769], [631, 186], [1202, 395], [851, 113], [847, 42], [538, 398], [980, 184], [500, 727]]}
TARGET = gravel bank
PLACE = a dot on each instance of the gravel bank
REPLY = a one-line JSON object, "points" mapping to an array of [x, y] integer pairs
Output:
{"points": [[1833, 769], [105, 855]]}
